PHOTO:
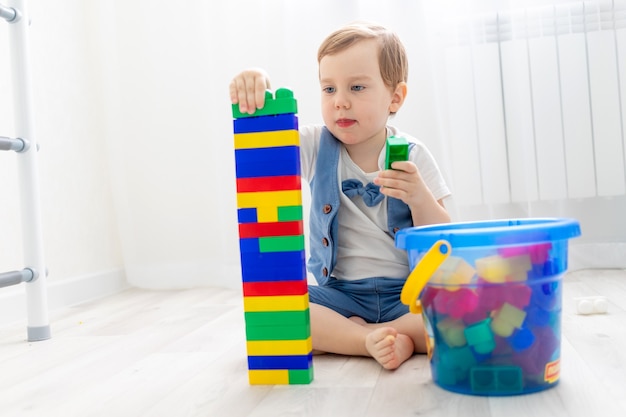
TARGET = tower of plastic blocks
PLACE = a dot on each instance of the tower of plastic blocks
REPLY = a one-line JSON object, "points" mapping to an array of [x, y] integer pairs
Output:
{"points": [[269, 206]]}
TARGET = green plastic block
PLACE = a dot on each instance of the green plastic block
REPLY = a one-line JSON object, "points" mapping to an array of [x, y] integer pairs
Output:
{"points": [[397, 149], [299, 332], [496, 380], [277, 318], [282, 102], [301, 376], [281, 243], [289, 213]]}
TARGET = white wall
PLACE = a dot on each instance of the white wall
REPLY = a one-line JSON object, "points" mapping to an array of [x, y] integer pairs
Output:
{"points": [[133, 117], [80, 232], [167, 67]]}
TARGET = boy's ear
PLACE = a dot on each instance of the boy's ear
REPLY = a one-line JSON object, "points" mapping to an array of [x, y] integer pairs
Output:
{"points": [[398, 97]]}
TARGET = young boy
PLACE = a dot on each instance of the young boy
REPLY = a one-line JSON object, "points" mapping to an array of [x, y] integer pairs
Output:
{"points": [[356, 308]]}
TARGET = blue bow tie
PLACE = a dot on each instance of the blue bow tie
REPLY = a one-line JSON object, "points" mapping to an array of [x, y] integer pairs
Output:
{"points": [[370, 193]]}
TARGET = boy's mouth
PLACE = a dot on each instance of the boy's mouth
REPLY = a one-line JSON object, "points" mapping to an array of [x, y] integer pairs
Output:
{"points": [[345, 122]]}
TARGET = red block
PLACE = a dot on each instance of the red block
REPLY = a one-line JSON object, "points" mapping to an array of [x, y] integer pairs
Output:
{"points": [[268, 288], [252, 230], [277, 183]]}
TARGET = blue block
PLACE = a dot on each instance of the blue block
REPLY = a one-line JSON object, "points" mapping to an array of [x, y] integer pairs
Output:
{"points": [[272, 259], [276, 273], [247, 215], [521, 339], [280, 362], [536, 316], [266, 123], [249, 245], [267, 162]]}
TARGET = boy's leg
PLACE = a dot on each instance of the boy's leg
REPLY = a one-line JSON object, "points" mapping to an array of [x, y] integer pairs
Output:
{"points": [[333, 333]]}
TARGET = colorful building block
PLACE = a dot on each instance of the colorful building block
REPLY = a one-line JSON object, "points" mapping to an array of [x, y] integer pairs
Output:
{"points": [[396, 149], [493, 269], [480, 337], [507, 319], [265, 139], [278, 318], [247, 230], [271, 236], [266, 124], [496, 380], [269, 199], [280, 362], [276, 303], [279, 347], [591, 305], [274, 183], [281, 102], [452, 332], [452, 273], [268, 288]]}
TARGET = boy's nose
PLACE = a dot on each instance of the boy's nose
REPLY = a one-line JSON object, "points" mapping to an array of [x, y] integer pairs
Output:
{"points": [[341, 101]]}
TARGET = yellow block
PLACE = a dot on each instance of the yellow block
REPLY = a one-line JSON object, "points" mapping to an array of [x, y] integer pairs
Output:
{"points": [[268, 376], [276, 303], [493, 268], [279, 347], [267, 214], [268, 199], [267, 139]]}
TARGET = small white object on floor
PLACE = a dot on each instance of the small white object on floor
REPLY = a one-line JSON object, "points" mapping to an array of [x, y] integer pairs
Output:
{"points": [[591, 305]]}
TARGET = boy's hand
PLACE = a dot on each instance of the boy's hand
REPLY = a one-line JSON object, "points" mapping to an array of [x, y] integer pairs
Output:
{"points": [[248, 89], [403, 182]]}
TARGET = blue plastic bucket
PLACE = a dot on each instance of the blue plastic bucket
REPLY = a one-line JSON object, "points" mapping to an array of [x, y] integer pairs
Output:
{"points": [[490, 295]]}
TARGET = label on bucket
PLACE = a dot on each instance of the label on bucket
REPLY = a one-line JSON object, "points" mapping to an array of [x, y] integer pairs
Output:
{"points": [[553, 371]]}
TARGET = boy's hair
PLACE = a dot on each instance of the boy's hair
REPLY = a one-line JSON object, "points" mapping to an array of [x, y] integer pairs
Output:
{"points": [[392, 60]]}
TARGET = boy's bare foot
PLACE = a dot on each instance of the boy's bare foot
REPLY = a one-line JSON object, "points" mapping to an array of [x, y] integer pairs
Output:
{"points": [[388, 347]]}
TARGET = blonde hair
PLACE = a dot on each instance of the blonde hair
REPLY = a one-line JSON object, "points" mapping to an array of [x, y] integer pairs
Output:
{"points": [[392, 59]]}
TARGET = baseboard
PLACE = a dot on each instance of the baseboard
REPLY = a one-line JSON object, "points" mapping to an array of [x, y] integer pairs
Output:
{"points": [[597, 255], [62, 293]]}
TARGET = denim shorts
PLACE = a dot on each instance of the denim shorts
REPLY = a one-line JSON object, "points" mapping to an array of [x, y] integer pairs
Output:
{"points": [[375, 300]]}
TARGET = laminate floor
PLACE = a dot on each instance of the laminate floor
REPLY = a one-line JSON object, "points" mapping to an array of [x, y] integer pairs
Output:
{"points": [[182, 353]]}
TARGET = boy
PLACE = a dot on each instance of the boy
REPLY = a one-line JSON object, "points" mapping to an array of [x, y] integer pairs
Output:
{"points": [[356, 308]]}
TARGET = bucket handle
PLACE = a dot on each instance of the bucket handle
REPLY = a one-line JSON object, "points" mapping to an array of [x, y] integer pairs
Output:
{"points": [[422, 272]]}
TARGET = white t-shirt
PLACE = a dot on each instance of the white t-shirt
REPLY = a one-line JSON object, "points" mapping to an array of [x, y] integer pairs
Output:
{"points": [[364, 247]]}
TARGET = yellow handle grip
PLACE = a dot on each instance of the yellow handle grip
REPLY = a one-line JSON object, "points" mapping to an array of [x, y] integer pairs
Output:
{"points": [[422, 272]]}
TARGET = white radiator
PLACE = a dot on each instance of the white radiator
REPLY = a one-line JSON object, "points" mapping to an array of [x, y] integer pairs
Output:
{"points": [[537, 103]]}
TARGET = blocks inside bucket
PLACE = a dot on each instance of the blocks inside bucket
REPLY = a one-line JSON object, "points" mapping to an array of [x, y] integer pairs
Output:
{"points": [[454, 271], [480, 337], [493, 268], [452, 332], [496, 380], [507, 319], [534, 359], [521, 339]]}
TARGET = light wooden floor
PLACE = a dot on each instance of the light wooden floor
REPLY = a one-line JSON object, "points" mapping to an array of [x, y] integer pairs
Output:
{"points": [[182, 353]]}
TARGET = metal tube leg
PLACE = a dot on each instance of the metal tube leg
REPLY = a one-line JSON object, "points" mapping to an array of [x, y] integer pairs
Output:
{"points": [[28, 171]]}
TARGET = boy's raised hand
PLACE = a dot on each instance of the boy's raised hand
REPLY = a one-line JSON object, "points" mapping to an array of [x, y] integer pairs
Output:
{"points": [[248, 89]]}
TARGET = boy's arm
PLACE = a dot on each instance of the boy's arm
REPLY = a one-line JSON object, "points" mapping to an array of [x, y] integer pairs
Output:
{"points": [[405, 183], [248, 89]]}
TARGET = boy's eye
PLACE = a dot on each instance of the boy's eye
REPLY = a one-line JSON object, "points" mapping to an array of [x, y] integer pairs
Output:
{"points": [[328, 90], [358, 88]]}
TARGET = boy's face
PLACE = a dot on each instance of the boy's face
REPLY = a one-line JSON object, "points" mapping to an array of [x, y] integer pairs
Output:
{"points": [[356, 103]]}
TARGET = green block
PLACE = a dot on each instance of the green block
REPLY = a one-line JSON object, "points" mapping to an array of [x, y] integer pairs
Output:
{"points": [[289, 213], [278, 318], [301, 376], [299, 332], [281, 103], [281, 243], [396, 149]]}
